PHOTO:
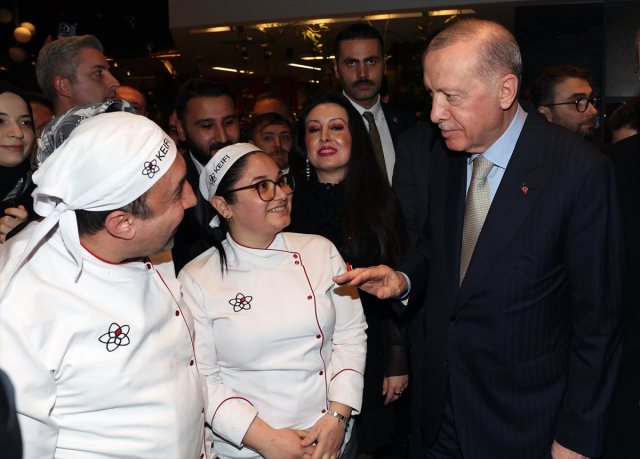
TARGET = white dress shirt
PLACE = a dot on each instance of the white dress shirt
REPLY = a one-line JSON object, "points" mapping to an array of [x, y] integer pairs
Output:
{"points": [[102, 367], [383, 130], [275, 337]]}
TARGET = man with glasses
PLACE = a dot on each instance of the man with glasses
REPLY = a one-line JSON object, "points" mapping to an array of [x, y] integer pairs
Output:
{"points": [[563, 94]]}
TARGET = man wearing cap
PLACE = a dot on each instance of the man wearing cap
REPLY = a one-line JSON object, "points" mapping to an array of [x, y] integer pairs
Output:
{"points": [[97, 343]]}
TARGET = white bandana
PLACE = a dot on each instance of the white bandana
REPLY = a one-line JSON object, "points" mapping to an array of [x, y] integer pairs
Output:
{"points": [[217, 167], [106, 163]]}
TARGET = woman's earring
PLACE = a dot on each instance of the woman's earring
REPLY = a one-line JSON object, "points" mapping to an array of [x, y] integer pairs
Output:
{"points": [[308, 169]]}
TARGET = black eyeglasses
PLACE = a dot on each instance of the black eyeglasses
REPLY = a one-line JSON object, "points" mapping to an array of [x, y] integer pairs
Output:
{"points": [[581, 104], [267, 188]]}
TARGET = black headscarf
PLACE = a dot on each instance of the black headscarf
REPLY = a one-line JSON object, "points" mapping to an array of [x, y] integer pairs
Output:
{"points": [[14, 181]]}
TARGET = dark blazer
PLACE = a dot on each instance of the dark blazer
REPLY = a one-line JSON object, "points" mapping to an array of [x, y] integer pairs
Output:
{"points": [[531, 342], [411, 185], [398, 121], [623, 436], [189, 241]]}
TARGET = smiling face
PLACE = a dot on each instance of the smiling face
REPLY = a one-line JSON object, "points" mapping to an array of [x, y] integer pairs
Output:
{"points": [[16, 132], [360, 70], [254, 222], [471, 113], [328, 141], [168, 199], [94, 82], [210, 124]]}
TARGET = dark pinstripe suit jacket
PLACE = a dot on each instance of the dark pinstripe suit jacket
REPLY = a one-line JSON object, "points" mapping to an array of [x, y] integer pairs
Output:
{"points": [[531, 342]]}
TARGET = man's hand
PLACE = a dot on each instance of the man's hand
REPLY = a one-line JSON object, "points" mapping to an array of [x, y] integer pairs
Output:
{"points": [[393, 385], [560, 452], [15, 216], [380, 281], [328, 431]]}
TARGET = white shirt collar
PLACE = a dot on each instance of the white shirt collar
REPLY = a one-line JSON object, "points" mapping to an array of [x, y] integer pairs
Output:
{"points": [[376, 109], [199, 167]]}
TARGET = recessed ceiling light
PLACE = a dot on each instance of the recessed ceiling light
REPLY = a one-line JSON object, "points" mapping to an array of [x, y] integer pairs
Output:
{"points": [[305, 66], [224, 69]]}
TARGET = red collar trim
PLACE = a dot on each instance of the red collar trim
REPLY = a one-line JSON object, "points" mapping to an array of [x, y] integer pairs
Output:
{"points": [[109, 262]]}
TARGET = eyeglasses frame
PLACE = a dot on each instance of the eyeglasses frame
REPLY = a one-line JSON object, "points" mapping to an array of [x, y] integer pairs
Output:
{"points": [[256, 185], [576, 102]]}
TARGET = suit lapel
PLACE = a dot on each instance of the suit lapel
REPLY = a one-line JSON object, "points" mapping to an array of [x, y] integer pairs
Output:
{"points": [[510, 205], [394, 126]]}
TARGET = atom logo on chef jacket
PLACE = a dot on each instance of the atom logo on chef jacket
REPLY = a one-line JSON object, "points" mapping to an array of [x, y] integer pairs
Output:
{"points": [[118, 335], [150, 168], [241, 302]]}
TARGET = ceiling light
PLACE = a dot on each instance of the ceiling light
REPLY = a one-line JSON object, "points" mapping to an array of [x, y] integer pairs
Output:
{"points": [[315, 58], [450, 12], [314, 81], [305, 66], [375, 17], [212, 29], [169, 67], [224, 69]]}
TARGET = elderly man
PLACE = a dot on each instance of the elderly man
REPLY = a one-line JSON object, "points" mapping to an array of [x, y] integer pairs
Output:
{"points": [[73, 71], [97, 343], [521, 258]]}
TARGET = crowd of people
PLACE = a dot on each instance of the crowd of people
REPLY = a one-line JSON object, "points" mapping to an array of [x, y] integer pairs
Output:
{"points": [[346, 282]]}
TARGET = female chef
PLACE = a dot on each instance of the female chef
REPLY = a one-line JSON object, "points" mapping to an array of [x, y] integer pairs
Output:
{"points": [[282, 349]]}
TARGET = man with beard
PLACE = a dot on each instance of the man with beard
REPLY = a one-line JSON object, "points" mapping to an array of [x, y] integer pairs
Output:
{"points": [[98, 343], [207, 122], [73, 71], [360, 66], [562, 93], [271, 133]]}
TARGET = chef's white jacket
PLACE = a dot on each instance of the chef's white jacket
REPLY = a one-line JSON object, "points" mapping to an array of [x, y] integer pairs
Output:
{"points": [[274, 336], [102, 367]]}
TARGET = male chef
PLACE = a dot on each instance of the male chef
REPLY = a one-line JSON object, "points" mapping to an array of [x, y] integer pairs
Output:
{"points": [[96, 342]]}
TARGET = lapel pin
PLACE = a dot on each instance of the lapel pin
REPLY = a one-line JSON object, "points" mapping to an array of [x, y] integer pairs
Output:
{"points": [[524, 189], [395, 120]]}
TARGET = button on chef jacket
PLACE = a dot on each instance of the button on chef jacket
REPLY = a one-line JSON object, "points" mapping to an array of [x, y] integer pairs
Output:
{"points": [[274, 336], [102, 367]]}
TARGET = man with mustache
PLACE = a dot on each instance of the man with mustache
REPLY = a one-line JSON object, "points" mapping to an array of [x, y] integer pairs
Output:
{"points": [[207, 122], [562, 93], [73, 71], [359, 64]]}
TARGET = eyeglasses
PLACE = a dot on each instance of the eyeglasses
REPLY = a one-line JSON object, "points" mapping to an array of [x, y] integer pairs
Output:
{"points": [[581, 104], [267, 188]]}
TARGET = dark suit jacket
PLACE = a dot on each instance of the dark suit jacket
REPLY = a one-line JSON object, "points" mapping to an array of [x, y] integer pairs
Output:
{"points": [[531, 342], [623, 436], [189, 241], [397, 120], [410, 183]]}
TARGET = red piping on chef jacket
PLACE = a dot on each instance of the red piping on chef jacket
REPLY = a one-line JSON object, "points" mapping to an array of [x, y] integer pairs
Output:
{"points": [[222, 402]]}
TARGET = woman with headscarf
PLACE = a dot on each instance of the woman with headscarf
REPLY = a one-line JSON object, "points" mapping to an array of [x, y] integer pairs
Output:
{"points": [[281, 346], [343, 194], [17, 134]]}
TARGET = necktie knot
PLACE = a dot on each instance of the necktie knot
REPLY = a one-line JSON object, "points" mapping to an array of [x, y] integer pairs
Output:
{"points": [[481, 168], [369, 117]]}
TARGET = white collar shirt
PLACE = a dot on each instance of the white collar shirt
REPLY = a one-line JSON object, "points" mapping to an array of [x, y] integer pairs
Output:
{"points": [[104, 366], [383, 130]]}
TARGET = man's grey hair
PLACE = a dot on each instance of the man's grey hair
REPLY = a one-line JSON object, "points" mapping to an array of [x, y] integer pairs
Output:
{"points": [[498, 52], [61, 58]]}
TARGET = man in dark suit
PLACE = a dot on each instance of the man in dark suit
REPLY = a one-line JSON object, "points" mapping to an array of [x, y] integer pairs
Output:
{"points": [[522, 261], [411, 184], [207, 122], [359, 64]]}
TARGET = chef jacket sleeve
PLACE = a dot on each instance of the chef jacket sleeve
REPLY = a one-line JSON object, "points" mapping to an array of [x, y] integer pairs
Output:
{"points": [[230, 416], [35, 388], [349, 350]]}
